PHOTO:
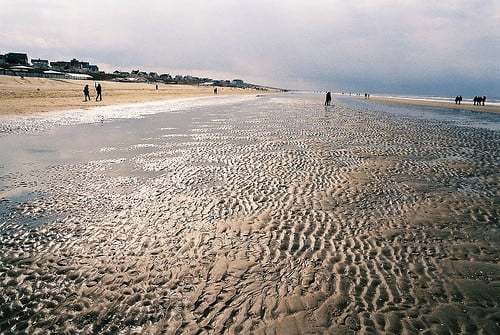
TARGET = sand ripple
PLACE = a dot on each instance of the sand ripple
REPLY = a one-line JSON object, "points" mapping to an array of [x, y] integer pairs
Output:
{"points": [[282, 218]]}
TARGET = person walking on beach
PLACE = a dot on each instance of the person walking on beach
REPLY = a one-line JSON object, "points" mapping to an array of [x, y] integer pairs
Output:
{"points": [[328, 99], [484, 99], [98, 89], [215, 91], [86, 92]]}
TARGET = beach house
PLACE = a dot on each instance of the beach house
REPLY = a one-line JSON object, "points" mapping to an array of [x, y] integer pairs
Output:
{"points": [[40, 63], [16, 58], [121, 73], [89, 68], [165, 76], [237, 83], [74, 65], [60, 66]]}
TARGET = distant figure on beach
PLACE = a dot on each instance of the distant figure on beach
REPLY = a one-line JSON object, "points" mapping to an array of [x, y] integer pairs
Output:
{"points": [[460, 99], [328, 99], [478, 100], [156, 86], [86, 92], [456, 100], [98, 89], [215, 91]]}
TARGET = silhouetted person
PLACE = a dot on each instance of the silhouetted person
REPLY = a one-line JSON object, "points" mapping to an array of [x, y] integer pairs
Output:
{"points": [[484, 99], [475, 100], [156, 86], [86, 92], [460, 99], [328, 99], [215, 91], [98, 89], [456, 100]]}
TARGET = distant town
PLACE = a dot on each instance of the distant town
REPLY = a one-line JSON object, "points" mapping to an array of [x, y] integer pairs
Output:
{"points": [[17, 64]]}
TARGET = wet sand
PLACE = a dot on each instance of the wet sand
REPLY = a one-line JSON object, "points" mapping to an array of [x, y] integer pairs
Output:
{"points": [[39, 95], [276, 216], [440, 104]]}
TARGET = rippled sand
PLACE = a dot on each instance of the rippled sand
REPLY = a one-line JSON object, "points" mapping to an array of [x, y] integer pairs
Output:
{"points": [[270, 217]]}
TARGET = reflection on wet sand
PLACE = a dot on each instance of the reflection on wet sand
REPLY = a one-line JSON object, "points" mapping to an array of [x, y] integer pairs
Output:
{"points": [[273, 216]]}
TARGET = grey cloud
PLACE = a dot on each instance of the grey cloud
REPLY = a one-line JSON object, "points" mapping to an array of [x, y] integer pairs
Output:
{"points": [[386, 44]]}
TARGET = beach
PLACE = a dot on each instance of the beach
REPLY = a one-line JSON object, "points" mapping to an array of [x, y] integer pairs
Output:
{"points": [[24, 96], [32, 95], [441, 104], [256, 215]]}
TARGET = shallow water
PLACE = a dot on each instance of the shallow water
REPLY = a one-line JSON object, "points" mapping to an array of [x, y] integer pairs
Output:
{"points": [[453, 116], [252, 215]]}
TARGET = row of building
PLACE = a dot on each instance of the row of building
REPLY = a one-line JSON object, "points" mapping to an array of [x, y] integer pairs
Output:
{"points": [[15, 63], [167, 78], [21, 59]]}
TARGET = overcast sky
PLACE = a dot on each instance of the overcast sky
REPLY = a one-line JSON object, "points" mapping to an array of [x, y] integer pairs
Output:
{"points": [[434, 47]]}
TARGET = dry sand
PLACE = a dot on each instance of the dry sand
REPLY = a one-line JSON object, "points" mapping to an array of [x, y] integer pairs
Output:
{"points": [[286, 218], [441, 104], [38, 95]]}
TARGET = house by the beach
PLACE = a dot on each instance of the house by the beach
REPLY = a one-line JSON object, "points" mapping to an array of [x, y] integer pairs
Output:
{"points": [[89, 67], [16, 58], [237, 83], [60, 65], [74, 65], [79, 66], [40, 63], [138, 73], [121, 73]]}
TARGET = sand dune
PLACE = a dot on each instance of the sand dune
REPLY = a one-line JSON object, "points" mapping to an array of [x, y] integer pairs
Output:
{"points": [[288, 219]]}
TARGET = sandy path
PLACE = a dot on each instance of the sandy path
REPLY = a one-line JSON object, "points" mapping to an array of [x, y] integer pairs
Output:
{"points": [[38, 95], [282, 219]]}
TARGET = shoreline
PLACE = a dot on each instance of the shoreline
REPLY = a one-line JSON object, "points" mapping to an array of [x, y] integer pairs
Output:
{"points": [[31, 96], [441, 104]]}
